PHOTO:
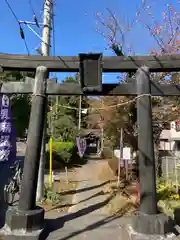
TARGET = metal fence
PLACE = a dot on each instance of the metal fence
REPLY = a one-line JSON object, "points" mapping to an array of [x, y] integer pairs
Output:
{"points": [[170, 168]]}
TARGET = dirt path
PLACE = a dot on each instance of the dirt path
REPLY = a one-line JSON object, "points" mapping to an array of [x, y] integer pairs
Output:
{"points": [[94, 170], [85, 219], [91, 177], [90, 188]]}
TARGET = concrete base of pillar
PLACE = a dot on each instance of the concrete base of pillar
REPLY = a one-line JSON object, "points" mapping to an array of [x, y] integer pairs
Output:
{"points": [[159, 224], [149, 227], [25, 225], [128, 233]]}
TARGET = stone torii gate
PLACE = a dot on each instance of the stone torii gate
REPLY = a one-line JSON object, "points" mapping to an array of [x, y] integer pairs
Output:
{"points": [[28, 216]]}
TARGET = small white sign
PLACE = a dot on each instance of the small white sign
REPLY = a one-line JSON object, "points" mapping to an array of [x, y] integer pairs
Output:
{"points": [[126, 153]]}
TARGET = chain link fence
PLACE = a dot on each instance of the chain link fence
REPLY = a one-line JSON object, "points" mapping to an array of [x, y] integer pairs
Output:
{"points": [[170, 169]]}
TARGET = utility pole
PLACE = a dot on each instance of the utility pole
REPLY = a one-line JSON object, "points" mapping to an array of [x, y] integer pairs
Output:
{"points": [[45, 49], [80, 110]]}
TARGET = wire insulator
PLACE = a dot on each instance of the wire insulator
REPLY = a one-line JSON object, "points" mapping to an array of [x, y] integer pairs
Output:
{"points": [[21, 32], [36, 21]]}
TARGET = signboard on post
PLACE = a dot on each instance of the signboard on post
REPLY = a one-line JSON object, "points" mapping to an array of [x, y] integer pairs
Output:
{"points": [[125, 152], [127, 159], [7, 132], [81, 145]]}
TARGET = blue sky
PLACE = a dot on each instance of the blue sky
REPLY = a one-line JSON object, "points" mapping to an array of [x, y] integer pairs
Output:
{"points": [[75, 23]]}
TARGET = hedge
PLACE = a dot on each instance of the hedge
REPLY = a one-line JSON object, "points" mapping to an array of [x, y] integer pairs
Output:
{"points": [[64, 154]]}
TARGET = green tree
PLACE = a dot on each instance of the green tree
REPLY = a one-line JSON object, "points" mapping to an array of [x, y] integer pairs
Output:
{"points": [[21, 107], [166, 41], [20, 103], [63, 116]]}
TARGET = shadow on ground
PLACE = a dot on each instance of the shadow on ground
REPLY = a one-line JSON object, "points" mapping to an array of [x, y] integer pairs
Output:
{"points": [[55, 224], [90, 227], [58, 206], [87, 188]]}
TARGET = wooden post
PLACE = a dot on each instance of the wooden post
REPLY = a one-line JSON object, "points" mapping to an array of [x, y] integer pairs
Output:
{"points": [[35, 132], [147, 173], [120, 158]]}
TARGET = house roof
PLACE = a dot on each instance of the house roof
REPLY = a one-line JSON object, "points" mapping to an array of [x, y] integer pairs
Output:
{"points": [[96, 132]]}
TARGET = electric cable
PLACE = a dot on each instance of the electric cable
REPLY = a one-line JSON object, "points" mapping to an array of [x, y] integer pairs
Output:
{"points": [[20, 28], [33, 12], [107, 107]]}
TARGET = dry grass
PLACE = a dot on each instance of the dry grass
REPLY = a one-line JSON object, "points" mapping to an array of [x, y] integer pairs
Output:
{"points": [[65, 190], [120, 204], [104, 172], [63, 186], [113, 164]]}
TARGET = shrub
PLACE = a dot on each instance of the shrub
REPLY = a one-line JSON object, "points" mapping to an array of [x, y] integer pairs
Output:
{"points": [[113, 164], [50, 195], [64, 154], [166, 191], [107, 153], [163, 191], [64, 150]]}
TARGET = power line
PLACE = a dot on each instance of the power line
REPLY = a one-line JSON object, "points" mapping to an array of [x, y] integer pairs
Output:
{"points": [[113, 106], [20, 28], [107, 107], [23, 37], [33, 12], [31, 6], [13, 13], [27, 49]]}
